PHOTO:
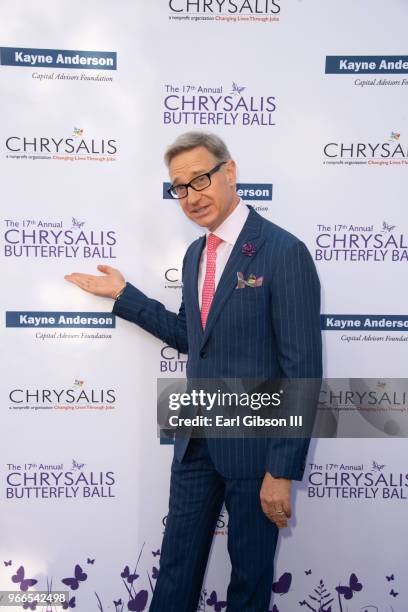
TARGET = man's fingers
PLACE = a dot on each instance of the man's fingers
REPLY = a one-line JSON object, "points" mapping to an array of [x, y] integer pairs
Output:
{"points": [[287, 509], [84, 281], [105, 269]]}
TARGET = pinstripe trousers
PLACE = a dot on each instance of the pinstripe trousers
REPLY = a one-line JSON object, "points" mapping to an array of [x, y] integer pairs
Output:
{"points": [[197, 492]]}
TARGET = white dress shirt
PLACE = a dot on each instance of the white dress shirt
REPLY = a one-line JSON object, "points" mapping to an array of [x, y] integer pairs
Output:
{"points": [[228, 231]]}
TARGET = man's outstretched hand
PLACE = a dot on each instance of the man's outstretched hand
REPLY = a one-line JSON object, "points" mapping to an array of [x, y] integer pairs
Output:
{"points": [[108, 285]]}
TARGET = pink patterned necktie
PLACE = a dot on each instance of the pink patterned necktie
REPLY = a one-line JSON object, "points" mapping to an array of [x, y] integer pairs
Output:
{"points": [[207, 295]]}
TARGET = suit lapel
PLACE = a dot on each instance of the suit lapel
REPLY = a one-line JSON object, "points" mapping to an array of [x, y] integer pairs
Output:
{"points": [[191, 281], [237, 262]]}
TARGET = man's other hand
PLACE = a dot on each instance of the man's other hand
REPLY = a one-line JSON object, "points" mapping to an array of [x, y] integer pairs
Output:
{"points": [[275, 499], [109, 285]]}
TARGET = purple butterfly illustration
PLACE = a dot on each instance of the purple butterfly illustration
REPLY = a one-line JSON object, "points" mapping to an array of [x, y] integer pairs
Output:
{"points": [[237, 89], [393, 593], [282, 585], [156, 553], [117, 603], [69, 604], [25, 583], [130, 577], [213, 602], [138, 603], [378, 467], [389, 578], [90, 561], [6, 563], [30, 605], [348, 591], [76, 223], [308, 572], [80, 576], [155, 573], [76, 465]]}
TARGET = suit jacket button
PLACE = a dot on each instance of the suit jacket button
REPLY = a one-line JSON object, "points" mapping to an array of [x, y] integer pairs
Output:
{"points": [[203, 353]]}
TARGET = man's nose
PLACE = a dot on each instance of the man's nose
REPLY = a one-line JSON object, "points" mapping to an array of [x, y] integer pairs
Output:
{"points": [[193, 197]]}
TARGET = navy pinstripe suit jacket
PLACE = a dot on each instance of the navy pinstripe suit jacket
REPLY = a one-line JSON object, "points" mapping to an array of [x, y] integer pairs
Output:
{"points": [[270, 331]]}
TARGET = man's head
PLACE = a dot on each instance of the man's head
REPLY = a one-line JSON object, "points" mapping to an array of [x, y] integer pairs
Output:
{"points": [[193, 155]]}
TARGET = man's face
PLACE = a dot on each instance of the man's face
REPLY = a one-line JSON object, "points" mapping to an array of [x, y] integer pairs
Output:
{"points": [[207, 208]]}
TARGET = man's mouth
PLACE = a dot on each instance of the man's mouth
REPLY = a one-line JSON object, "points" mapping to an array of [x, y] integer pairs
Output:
{"points": [[200, 210]]}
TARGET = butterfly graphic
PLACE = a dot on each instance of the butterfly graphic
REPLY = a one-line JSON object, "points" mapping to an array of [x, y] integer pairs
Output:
{"points": [[389, 578], [308, 572], [214, 603], [353, 587], [282, 585], [6, 563], [138, 603], [69, 604], [25, 583], [80, 576], [76, 223], [155, 573], [129, 577], [90, 561], [77, 466], [30, 605], [156, 553], [117, 603], [387, 228], [377, 467], [78, 131], [237, 89], [393, 593]]}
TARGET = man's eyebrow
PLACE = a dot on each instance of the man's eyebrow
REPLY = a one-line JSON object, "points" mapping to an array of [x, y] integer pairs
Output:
{"points": [[195, 174]]}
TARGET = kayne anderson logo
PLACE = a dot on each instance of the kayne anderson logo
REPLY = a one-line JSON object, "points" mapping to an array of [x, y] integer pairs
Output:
{"points": [[360, 243], [231, 11], [57, 58], [246, 191], [78, 146], [41, 319], [371, 65], [252, 192], [198, 105], [357, 328], [390, 151], [79, 321], [365, 322], [49, 64]]}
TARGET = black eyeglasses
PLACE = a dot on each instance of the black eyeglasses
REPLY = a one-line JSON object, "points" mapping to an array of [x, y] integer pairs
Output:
{"points": [[198, 183]]}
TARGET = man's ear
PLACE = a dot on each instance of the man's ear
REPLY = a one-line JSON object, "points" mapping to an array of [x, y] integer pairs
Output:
{"points": [[231, 172]]}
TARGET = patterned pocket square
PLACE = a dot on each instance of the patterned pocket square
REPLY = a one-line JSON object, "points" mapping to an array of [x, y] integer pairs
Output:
{"points": [[252, 281]]}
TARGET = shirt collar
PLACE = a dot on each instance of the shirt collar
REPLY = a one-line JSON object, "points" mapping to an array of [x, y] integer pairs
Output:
{"points": [[231, 227]]}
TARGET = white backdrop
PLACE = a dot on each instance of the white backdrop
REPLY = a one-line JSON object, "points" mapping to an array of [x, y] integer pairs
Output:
{"points": [[84, 478]]}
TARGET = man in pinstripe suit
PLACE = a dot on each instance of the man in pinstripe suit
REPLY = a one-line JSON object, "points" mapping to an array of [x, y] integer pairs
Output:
{"points": [[268, 329]]}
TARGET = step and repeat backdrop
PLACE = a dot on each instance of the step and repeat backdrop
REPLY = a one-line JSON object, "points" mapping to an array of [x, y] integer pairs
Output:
{"points": [[311, 98]]}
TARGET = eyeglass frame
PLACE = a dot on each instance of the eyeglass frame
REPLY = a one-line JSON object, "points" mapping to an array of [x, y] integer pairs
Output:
{"points": [[187, 185]]}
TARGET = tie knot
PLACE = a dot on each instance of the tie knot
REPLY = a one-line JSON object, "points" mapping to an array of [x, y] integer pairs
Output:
{"points": [[213, 242]]}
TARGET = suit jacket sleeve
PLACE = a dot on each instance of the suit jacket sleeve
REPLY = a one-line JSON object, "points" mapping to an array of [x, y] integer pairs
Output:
{"points": [[296, 322], [151, 315]]}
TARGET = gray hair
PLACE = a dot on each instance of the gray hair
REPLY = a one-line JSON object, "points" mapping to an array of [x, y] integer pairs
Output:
{"points": [[191, 140]]}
